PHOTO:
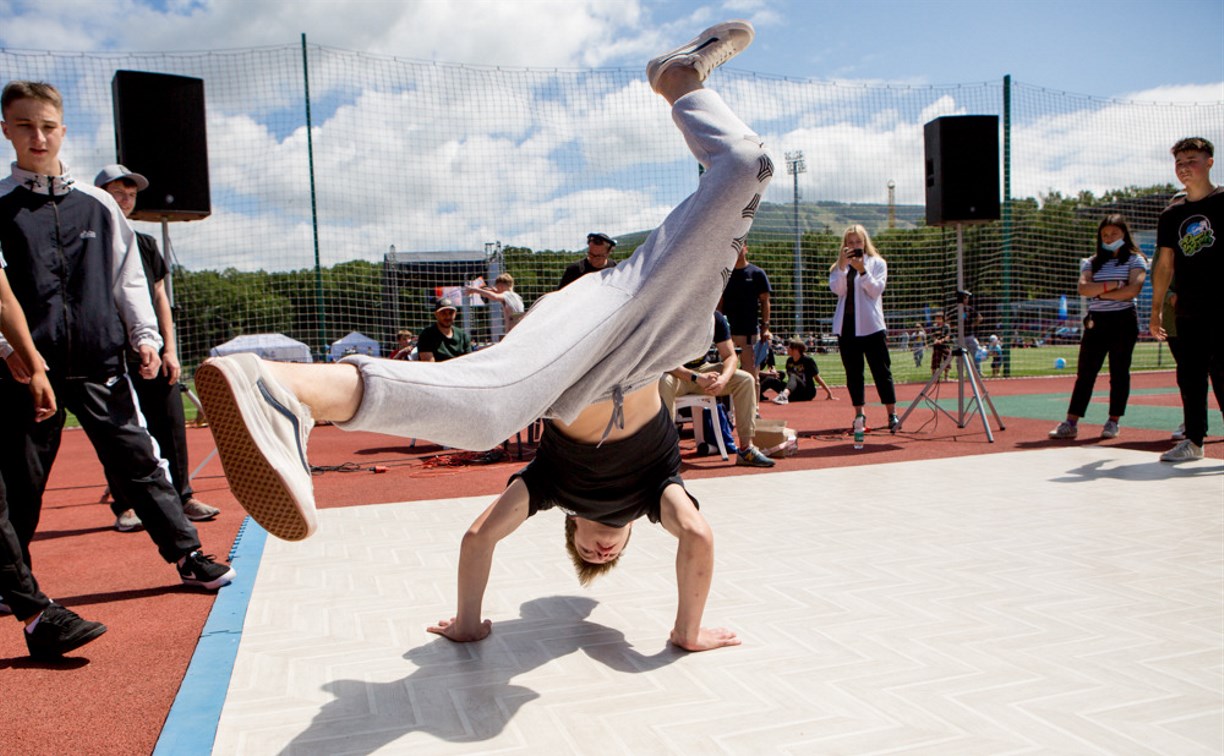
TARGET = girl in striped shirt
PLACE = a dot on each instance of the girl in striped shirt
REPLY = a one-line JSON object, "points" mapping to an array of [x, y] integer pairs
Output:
{"points": [[1111, 278]]}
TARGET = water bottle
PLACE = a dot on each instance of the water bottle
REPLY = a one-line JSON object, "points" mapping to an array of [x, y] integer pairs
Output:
{"points": [[860, 427]]}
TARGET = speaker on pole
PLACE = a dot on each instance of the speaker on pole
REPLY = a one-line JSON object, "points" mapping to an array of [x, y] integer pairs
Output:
{"points": [[962, 169], [160, 133]]}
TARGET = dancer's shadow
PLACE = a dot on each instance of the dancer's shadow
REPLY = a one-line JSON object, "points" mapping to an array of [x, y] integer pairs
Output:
{"points": [[461, 692]]}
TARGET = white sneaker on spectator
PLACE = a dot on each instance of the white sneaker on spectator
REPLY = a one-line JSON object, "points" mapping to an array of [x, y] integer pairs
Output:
{"points": [[1065, 430], [1185, 451], [780, 399], [197, 511], [127, 521], [260, 429], [1180, 433], [705, 52]]}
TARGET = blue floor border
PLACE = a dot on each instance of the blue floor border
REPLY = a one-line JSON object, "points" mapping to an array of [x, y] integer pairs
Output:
{"points": [[191, 727]]}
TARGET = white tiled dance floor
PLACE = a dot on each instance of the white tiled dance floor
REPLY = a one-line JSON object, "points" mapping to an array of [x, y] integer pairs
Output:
{"points": [[1066, 601]]}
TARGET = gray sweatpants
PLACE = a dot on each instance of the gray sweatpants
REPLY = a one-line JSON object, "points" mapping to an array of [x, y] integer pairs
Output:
{"points": [[604, 335]]}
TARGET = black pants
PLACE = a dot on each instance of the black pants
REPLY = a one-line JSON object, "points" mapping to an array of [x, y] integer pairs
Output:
{"points": [[107, 413], [873, 347], [797, 390], [162, 406], [17, 584], [1113, 334], [1200, 355]]}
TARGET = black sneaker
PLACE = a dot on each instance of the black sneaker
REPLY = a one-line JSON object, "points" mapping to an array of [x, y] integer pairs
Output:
{"points": [[59, 631], [203, 570], [894, 423]]}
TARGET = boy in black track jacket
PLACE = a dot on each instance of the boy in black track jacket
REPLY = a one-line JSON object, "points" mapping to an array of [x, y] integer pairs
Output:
{"points": [[75, 269]]}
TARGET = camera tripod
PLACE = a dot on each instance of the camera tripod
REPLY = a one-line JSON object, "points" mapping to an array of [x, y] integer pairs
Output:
{"points": [[966, 368]]}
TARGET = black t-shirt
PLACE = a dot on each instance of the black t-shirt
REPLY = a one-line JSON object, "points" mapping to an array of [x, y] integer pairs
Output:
{"points": [[577, 270], [722, 332], [443, 348], [614, 483], [1192, 231], [742, 298], [805, 371]]}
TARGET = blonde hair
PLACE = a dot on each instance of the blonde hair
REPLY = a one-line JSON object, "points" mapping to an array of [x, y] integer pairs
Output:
{"points": [[30, 90], [587, 571], [505, 278], [869, 248]]}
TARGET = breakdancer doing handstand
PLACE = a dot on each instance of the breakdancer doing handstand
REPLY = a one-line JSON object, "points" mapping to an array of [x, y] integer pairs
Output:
{"points": [[588, 358]]}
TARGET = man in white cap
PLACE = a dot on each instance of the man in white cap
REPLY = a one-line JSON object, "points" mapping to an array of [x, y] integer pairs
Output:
{"points": [[161, 397]]}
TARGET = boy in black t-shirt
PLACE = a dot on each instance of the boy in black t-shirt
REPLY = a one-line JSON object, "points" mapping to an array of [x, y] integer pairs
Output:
{"points": [[802, 377], [1188, 248]]}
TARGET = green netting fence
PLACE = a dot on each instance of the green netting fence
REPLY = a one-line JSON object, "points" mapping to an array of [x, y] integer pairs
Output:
{"points": [[427, 176]]}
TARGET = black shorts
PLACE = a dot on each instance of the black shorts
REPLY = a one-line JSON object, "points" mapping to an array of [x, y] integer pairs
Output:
{"points": [[613, 484]]}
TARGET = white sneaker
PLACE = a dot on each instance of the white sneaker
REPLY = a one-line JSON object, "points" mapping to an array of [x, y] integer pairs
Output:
{"points": [[705, 52], [1065, 430], [1185, 451], [260, 429], [1110, 429], [780, 399], [1180, 433]]}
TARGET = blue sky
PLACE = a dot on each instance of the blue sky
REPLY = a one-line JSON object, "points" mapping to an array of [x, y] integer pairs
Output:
{"points": [[1113, 48]]}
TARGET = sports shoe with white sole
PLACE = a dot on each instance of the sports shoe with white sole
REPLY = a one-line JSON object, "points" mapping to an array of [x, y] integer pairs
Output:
{"points": [[260, 429], [197, 511], [204, 571], [1180, 433], [1185, 451], [1065, 430], [1110, 429], [127, 521], [705, 52]]}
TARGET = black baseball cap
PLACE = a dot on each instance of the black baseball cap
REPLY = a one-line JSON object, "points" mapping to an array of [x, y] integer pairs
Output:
{"points": [[601, 236], [444, 304]]}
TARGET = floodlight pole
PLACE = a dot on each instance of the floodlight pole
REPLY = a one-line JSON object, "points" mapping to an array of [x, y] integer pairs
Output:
{"points": [[794, 166]]}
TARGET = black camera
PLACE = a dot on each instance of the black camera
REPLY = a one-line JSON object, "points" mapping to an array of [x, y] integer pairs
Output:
{"points": [[856, 253]]}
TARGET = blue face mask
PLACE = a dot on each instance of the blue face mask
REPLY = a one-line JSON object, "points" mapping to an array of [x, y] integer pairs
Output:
{"points": [[1114, 246]]}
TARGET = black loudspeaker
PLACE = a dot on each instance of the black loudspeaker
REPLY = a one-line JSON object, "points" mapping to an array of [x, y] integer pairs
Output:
{"points": [[962, 169], [160, 134]]}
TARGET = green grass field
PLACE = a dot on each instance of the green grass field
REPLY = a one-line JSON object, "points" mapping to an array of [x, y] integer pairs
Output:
{"points": [[1024, 363]]}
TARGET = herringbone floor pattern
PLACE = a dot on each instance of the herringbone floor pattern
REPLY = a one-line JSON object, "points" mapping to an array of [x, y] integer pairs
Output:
{"points": [[1051, 602]]}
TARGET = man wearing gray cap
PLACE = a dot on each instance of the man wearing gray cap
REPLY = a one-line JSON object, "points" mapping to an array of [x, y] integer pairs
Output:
{"points": [[599, 251], [161, 397]]}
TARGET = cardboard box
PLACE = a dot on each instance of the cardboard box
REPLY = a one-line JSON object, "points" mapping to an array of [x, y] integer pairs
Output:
{"points": [[774, 439]]}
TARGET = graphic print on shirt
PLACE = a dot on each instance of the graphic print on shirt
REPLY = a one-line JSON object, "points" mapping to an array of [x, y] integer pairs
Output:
{"points": [[1195, 235]]}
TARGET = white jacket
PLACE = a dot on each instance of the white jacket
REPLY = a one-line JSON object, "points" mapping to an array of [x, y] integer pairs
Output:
{"points": [[868, 296]]}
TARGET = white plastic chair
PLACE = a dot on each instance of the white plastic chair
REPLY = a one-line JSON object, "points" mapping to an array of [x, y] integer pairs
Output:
{"points": [[699, 402]]}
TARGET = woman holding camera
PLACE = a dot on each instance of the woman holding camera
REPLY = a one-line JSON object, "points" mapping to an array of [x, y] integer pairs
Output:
{"points": [[1111, 278], [858, 278]]}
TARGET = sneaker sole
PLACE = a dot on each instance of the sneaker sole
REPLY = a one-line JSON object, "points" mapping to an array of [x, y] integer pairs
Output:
{"points": [[259, 487], [213, 585]]}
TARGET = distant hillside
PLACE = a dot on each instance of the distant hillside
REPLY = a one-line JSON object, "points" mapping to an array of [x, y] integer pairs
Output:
{"points": [[830, 217]]}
